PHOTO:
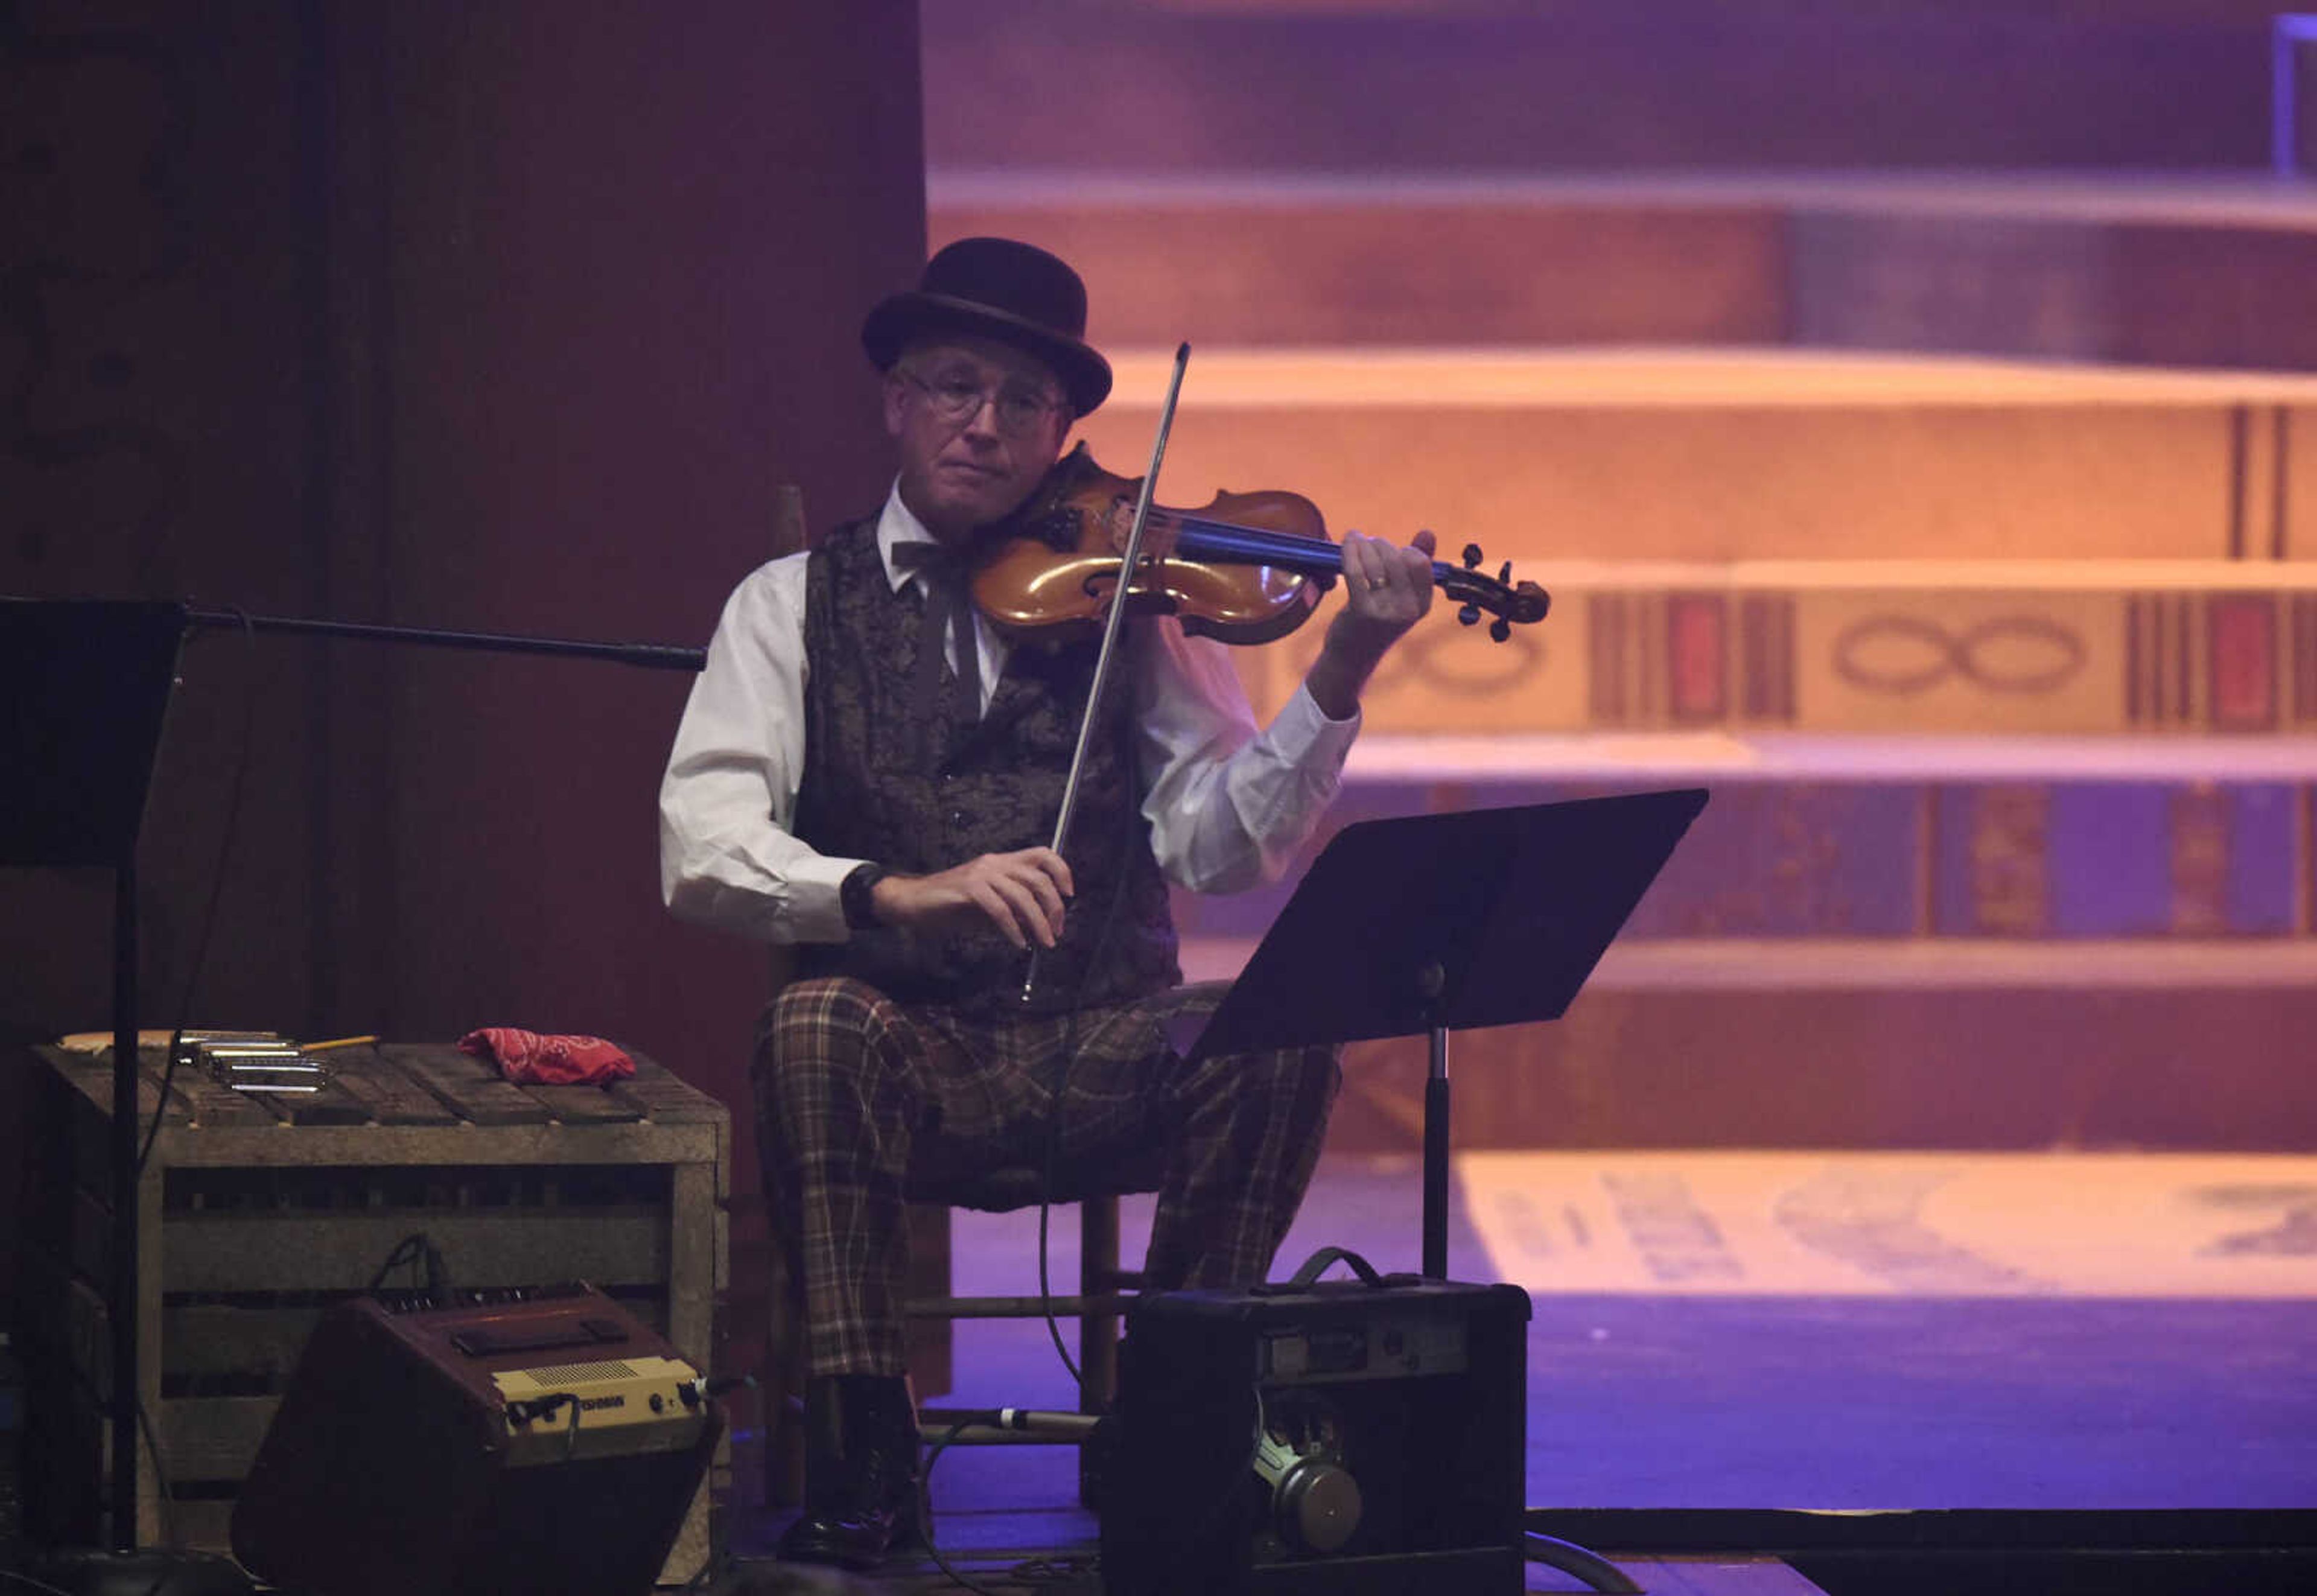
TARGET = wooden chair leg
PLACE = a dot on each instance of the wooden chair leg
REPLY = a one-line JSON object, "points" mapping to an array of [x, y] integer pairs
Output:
{"points": [[1098, 1276], [932, 1342]]}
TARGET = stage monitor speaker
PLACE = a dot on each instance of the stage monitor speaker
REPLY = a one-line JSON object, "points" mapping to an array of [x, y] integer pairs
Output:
{"points": [[1344, 1436], [518, 1443]]}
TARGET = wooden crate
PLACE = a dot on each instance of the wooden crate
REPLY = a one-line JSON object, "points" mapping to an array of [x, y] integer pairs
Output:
{"points": [[256, 1215]]}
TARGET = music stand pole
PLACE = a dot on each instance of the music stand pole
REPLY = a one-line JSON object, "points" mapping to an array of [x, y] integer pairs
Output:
{"points": [[1435, 1133], [125, 1328]]}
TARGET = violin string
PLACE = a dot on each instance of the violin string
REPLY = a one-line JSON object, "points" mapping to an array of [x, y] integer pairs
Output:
{"points": [[1222, 537], [1254, 544]]}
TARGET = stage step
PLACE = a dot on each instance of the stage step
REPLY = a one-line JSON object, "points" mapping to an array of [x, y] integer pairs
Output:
{"points": [[2168, 270], [1999, 943], [1836, 839], [1893, 1062]]}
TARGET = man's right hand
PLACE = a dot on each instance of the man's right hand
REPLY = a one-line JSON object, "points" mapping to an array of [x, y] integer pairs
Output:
{"points": [[1020, 893]]}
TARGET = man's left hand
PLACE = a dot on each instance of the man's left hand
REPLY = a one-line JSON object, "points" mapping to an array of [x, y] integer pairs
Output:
{"points": [[1387, 590]]}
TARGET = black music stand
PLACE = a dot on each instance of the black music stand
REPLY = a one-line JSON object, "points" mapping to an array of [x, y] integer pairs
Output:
{"points": [[1446, 922], [83, 689]]}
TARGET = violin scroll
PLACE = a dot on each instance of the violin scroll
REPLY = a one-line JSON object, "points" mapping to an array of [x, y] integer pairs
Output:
{"points": [[1474, 590]]}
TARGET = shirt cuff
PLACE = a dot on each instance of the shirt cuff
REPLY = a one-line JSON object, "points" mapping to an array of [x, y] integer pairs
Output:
{"points": [[816, 912], [1302, 730]]}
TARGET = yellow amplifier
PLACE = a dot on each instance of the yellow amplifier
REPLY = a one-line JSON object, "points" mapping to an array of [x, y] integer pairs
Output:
{"points": [[583, 1409]]}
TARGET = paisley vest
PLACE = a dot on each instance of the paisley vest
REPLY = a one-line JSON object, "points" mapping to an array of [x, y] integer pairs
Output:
{"points": [[880, 783]]}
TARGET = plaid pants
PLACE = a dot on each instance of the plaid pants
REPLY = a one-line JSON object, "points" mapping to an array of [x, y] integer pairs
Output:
{"points": [[860, 1100]]}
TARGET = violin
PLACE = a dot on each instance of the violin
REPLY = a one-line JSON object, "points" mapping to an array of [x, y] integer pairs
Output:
{"points": [[1245, 569]]}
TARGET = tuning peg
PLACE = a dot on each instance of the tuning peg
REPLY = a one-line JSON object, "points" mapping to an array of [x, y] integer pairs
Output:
{"points": [[1500, 629], [1505, 575], [1470, 615], [1472, 555]]}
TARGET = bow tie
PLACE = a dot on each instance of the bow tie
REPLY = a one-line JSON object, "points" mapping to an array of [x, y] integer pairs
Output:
{"points": [[949, 614]]}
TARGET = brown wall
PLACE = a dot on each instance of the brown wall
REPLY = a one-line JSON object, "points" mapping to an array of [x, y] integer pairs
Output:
{"points": [[506, 317]]}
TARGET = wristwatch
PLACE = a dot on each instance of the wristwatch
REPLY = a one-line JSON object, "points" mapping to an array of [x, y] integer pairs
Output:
{"points": [[856, 895]]}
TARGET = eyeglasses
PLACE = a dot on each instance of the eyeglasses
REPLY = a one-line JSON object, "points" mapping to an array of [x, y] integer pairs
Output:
{"points": [[957, 398]]}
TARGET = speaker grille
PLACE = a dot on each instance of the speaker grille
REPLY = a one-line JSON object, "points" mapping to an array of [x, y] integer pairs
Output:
{"points": [[572, 1374]]}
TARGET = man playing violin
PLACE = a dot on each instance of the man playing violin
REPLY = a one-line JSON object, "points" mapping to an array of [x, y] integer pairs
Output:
{"points": [[868, 770]]}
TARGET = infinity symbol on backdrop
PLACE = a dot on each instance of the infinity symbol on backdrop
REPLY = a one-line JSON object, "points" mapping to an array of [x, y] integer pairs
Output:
{"points": [[1499, 668], [1902, 655]]}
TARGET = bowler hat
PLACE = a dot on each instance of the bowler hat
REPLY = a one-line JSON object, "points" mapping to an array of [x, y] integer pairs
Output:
{"points": [[996, 288]]}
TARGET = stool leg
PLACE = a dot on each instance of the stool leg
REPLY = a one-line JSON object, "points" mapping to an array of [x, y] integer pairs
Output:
{"points": [[1098, 1276], [1097, 1333]]}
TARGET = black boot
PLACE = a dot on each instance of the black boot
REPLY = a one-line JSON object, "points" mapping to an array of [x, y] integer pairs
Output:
{"points": [[861, 1495]]}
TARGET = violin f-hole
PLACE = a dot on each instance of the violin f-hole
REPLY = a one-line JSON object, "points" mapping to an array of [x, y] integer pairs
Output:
{"points": [[1102, 585]]}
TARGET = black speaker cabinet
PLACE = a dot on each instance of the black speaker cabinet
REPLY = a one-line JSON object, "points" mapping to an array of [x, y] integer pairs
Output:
{"points": [[1344, 1437], [517, 1443]]}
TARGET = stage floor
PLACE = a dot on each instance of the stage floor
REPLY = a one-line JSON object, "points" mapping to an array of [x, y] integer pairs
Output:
{"points": [[1829, 1332]]}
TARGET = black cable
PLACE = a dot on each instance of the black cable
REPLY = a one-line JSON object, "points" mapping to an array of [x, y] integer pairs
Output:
{"points": [[1061, 1572], [172, 1562], [1241, 1476], [403, 1252], [924, 1514], [418, 1252], [540, 1407], [216, 884], [42, 1585], [1590, 1568], [1045, 1226]]}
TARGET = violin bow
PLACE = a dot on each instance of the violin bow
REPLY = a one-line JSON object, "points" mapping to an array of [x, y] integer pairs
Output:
{"points": [[1129, 564]]}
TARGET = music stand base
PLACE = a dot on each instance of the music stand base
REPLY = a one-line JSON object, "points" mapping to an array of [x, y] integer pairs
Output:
{"points": [[149, 1571]]}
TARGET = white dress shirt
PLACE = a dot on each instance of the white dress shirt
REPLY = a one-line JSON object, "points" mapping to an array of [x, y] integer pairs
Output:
{"points": [[1228, 805]]}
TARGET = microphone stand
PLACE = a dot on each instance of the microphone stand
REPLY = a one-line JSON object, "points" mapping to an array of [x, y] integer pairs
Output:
{"points": [[657, 656]]}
